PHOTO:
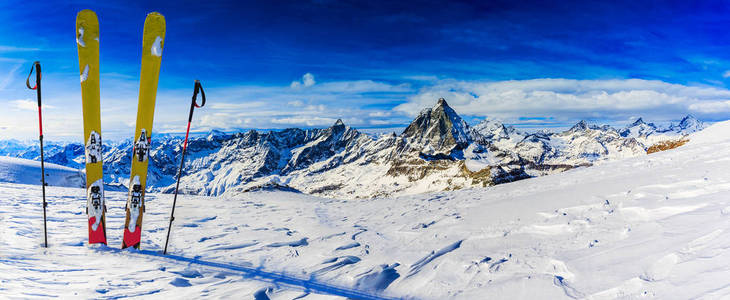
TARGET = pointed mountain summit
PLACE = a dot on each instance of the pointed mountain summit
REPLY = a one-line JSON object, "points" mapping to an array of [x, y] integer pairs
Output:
{"points": [[320, 144], [493, 129], [638, 128], [580, 126], [216, 135], [689, 124], [439, 129], [638, 122]]}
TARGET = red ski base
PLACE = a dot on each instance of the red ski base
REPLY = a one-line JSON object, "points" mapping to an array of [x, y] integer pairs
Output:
{"points": [[131, 239], [98, 235]]}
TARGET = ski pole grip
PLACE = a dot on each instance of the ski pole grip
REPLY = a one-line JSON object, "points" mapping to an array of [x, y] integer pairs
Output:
{"points": [[37, 66]]}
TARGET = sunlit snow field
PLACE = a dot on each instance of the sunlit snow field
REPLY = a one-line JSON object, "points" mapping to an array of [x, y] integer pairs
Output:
{"points": [[655, 226]]}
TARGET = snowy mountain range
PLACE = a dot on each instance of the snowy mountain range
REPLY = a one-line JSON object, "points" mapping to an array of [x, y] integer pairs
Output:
{"points": [[437, 151]]}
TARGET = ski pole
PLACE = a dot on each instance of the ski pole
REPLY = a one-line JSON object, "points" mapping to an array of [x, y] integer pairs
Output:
{"points": [[37, 88], [193, 105]]}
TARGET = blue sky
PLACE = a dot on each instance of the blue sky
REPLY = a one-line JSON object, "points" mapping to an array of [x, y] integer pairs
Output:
{"points": [[277, 64]]}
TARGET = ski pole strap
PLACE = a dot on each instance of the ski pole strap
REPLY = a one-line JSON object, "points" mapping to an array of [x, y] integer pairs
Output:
{"points": [[198, 89], [37, 66]]}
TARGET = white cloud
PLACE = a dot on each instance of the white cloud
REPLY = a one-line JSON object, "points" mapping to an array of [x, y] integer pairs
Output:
{"points": [[421, 77], [237, 106], [321, 104], [4, 48], [27, 104], [9, 77], [567, 99], [726, 74], [377, 122], [362, 86], [711, 107], [309, 121], [296, 103], [306, 81], [380, 114]]}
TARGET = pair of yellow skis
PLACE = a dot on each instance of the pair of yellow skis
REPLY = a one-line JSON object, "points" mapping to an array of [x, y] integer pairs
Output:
{"points": [[87, 39]]}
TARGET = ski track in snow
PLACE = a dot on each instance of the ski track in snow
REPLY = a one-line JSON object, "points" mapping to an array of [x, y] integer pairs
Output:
{"points": [[653, 227]]}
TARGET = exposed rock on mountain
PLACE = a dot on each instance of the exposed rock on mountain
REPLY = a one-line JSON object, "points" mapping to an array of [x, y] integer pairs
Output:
{"points": [[438, 131]]}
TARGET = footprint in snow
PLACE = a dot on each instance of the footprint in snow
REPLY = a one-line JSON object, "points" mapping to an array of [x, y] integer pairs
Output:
{"points": [[302, 242], [348, 246], [180, 282]]}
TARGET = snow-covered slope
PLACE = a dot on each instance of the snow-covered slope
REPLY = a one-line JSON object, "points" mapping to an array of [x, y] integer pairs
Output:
{"points": [[18, 170], [717, 133], [653, 226]]}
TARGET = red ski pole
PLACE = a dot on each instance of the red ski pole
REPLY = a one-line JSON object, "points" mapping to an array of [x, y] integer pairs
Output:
{"points": [[37, 88], [193, 105]]}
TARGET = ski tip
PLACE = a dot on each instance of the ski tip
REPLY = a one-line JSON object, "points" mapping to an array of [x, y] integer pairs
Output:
{"points": [[87, 30], [155, 24], [155, 16], [86, 14]]}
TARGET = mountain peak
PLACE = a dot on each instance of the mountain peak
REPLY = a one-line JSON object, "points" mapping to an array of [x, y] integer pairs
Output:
{"points": [[641, 123], [688, 124], [493, 129], [639, 128], [339, 123], [215, 134], [439, 128], [440, 103], [688, 120], [582, 125], [638, 122]]}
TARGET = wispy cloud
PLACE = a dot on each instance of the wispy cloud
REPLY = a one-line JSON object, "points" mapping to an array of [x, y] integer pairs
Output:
{"points": [[319, 104], [567, 99], [309, 121], [236, 106], [9, 77], [27, 104], [4, 48]]}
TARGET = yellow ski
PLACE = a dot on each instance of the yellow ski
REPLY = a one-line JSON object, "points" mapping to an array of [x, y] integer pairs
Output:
{"points": [[87, 41], [152, 43]]}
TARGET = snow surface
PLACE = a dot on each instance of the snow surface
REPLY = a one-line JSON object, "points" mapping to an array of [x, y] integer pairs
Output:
{"points": [[654, 226], [25, 171], [718, 132]]}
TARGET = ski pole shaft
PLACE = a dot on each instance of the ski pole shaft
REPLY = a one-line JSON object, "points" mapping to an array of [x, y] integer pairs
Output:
{"points": [[37, 66], [193, 104]]}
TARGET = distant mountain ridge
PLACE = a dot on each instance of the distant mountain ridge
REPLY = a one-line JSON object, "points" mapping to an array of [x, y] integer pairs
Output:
{"points": [[437, 151]]}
